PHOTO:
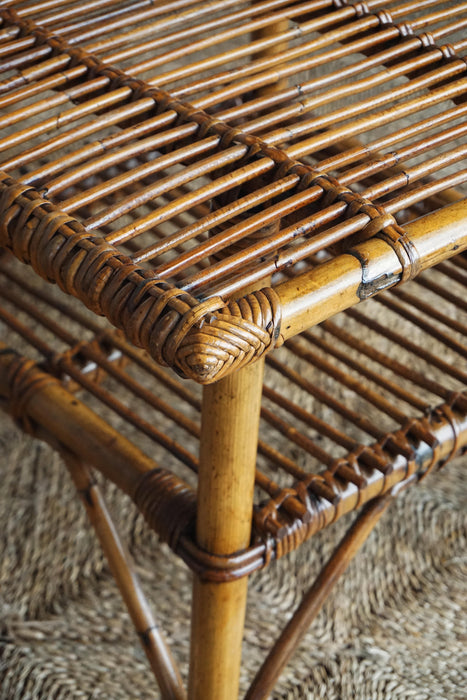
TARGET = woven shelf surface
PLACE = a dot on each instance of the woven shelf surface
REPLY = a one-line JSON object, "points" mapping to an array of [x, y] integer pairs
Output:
{"points": [[159, 158], [350, 407]]}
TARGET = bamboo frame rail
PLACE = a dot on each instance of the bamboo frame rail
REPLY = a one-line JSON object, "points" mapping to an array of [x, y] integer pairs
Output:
{"points": [[371, 267]]}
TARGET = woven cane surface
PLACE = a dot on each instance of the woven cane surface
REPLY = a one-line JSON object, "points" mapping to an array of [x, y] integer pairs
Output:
{"points": [[159, 156]]}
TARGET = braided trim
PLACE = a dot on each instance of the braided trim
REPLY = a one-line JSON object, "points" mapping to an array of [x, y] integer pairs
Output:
{"points": [[176, 329], [411, 452]]}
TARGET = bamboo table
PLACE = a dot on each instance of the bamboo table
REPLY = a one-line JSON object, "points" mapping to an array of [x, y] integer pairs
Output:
{"points": [[213, 180]]}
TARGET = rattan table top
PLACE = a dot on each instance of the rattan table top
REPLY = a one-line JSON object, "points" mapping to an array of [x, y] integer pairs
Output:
{"points": [[160, 160]]}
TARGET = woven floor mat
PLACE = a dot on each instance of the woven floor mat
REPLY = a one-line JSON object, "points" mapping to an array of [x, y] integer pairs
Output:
{"points": [[394, 628]]}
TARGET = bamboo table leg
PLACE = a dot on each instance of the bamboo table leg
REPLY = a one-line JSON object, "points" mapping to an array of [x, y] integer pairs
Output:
{"points": [[229, 437]]}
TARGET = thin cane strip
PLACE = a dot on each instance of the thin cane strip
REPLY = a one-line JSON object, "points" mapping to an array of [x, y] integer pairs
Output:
{"points": [[449, 268], [188, 174], [363, 369], [327, 58], [374, 119], [461, 262], [345, 72], [219, 216], [171, 445], [255, 66], [282, 72], [395, 366], [380, 118], [13, 56], [404, 342], [458, 301], [106, 152], [416, 148], [180, 155], [405, 200], [249, 77], [93, 352], [31, 308], [239, 231], [177, 221], [139, 32], [296, 437], [289, 257], [65, 118], [310, 419], [343, 32], [202, 195], [249, 13], [70, 136], [252, 106], [227, 56], [345, 379], [27, 334], [371, 148], [31, 83], [73, 20], [24, 113], [357, 419], [426, 326], [79, 32], [142, 28], [430, 311], [415, 173], [67, 9]]}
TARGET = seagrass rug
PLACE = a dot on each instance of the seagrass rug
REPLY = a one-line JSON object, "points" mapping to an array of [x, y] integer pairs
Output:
{"points": [[395, 626]]}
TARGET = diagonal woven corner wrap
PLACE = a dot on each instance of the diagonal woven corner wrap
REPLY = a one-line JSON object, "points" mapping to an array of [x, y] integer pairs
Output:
{"points": [[201, 340]]}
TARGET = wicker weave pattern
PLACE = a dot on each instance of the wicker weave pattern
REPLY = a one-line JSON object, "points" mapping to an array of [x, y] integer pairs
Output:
{"points": [[166, 162], [383, 443]]}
